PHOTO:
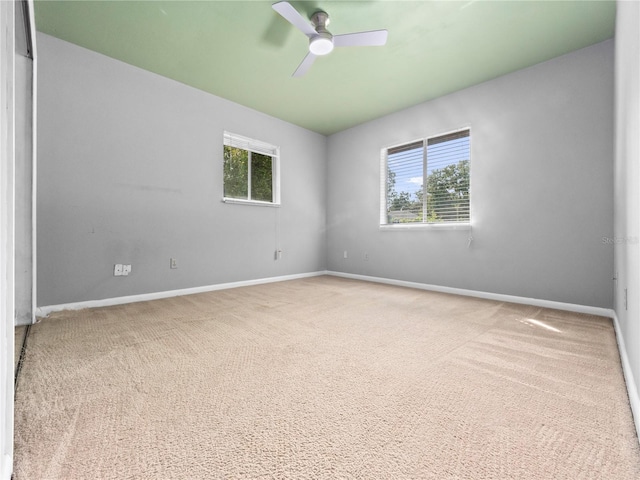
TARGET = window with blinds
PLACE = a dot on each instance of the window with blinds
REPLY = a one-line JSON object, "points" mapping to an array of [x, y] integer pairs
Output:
{"points": [[427, 181], [250, 171]]}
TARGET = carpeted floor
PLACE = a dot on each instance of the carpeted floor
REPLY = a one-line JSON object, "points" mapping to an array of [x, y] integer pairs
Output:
{"points": [[323, 378]]}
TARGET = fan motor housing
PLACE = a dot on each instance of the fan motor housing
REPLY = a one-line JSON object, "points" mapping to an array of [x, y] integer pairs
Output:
{"points": [[320, 20]]}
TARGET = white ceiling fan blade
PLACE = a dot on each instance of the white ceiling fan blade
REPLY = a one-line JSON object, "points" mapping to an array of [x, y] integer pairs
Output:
{"points": [[304, 65], [376, 38], [294, 18]]}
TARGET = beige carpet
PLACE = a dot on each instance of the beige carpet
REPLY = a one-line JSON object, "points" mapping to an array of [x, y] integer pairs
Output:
{"points": [[323, 378]]}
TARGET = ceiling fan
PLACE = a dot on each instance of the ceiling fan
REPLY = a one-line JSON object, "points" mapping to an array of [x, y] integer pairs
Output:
{"points": [[321, 41]]}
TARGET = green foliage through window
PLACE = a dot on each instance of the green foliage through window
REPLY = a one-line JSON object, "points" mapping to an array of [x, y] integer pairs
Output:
{"points": [[261, 178], [236, 173]]}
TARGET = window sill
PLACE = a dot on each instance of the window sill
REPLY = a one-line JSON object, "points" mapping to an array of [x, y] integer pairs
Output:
{"points": [[238, 201], [425, 226]]}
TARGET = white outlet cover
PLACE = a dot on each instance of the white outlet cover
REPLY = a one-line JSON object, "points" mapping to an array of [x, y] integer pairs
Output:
{"points": [[117, 270], [126, 269]]}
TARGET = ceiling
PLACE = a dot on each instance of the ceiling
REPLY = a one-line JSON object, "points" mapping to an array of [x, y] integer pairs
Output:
{"points": [[245, 52]]}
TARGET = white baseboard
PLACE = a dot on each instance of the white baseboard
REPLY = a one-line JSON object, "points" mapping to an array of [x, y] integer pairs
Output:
{"points": [[536, 302], [144, 297], [6, 467], [632, 387]]}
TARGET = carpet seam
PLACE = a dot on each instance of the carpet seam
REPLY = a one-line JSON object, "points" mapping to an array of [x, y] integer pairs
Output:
{"points": [[23, 351]]}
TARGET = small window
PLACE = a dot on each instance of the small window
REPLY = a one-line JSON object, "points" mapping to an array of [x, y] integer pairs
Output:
{"points": [[251, 173], [442, 165]]}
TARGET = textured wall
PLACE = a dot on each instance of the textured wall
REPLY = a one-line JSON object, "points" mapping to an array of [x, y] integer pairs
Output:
{"points": [[130, 171], [542, 187]]}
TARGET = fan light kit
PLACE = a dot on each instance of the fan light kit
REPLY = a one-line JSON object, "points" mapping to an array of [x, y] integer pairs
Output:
{"points": [[320, 45], [321, 41]]}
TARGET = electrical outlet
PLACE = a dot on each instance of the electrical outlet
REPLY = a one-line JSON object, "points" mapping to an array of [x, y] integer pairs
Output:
{"points": [[117, 270], [346, 255], [173, 263], [126, 270]]}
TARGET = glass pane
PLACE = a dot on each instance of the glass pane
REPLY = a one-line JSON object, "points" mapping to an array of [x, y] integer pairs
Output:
{"points": [[404, 184], [236, 172], [261, 177], [448, 180]]}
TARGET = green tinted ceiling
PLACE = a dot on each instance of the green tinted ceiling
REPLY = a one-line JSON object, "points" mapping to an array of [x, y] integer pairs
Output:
{"points": [[245, 52]]}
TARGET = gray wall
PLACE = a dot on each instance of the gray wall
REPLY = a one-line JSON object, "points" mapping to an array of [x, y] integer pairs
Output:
{"points": [[130, 171], [627, 188], [542, 187]]}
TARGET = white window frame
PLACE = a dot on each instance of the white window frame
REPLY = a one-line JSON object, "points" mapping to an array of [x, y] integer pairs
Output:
{"points": [[263, 148], [384, 225]]}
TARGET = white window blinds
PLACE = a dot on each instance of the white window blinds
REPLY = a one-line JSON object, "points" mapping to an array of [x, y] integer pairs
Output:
{"points": [[249, 144], [405, 165]]}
